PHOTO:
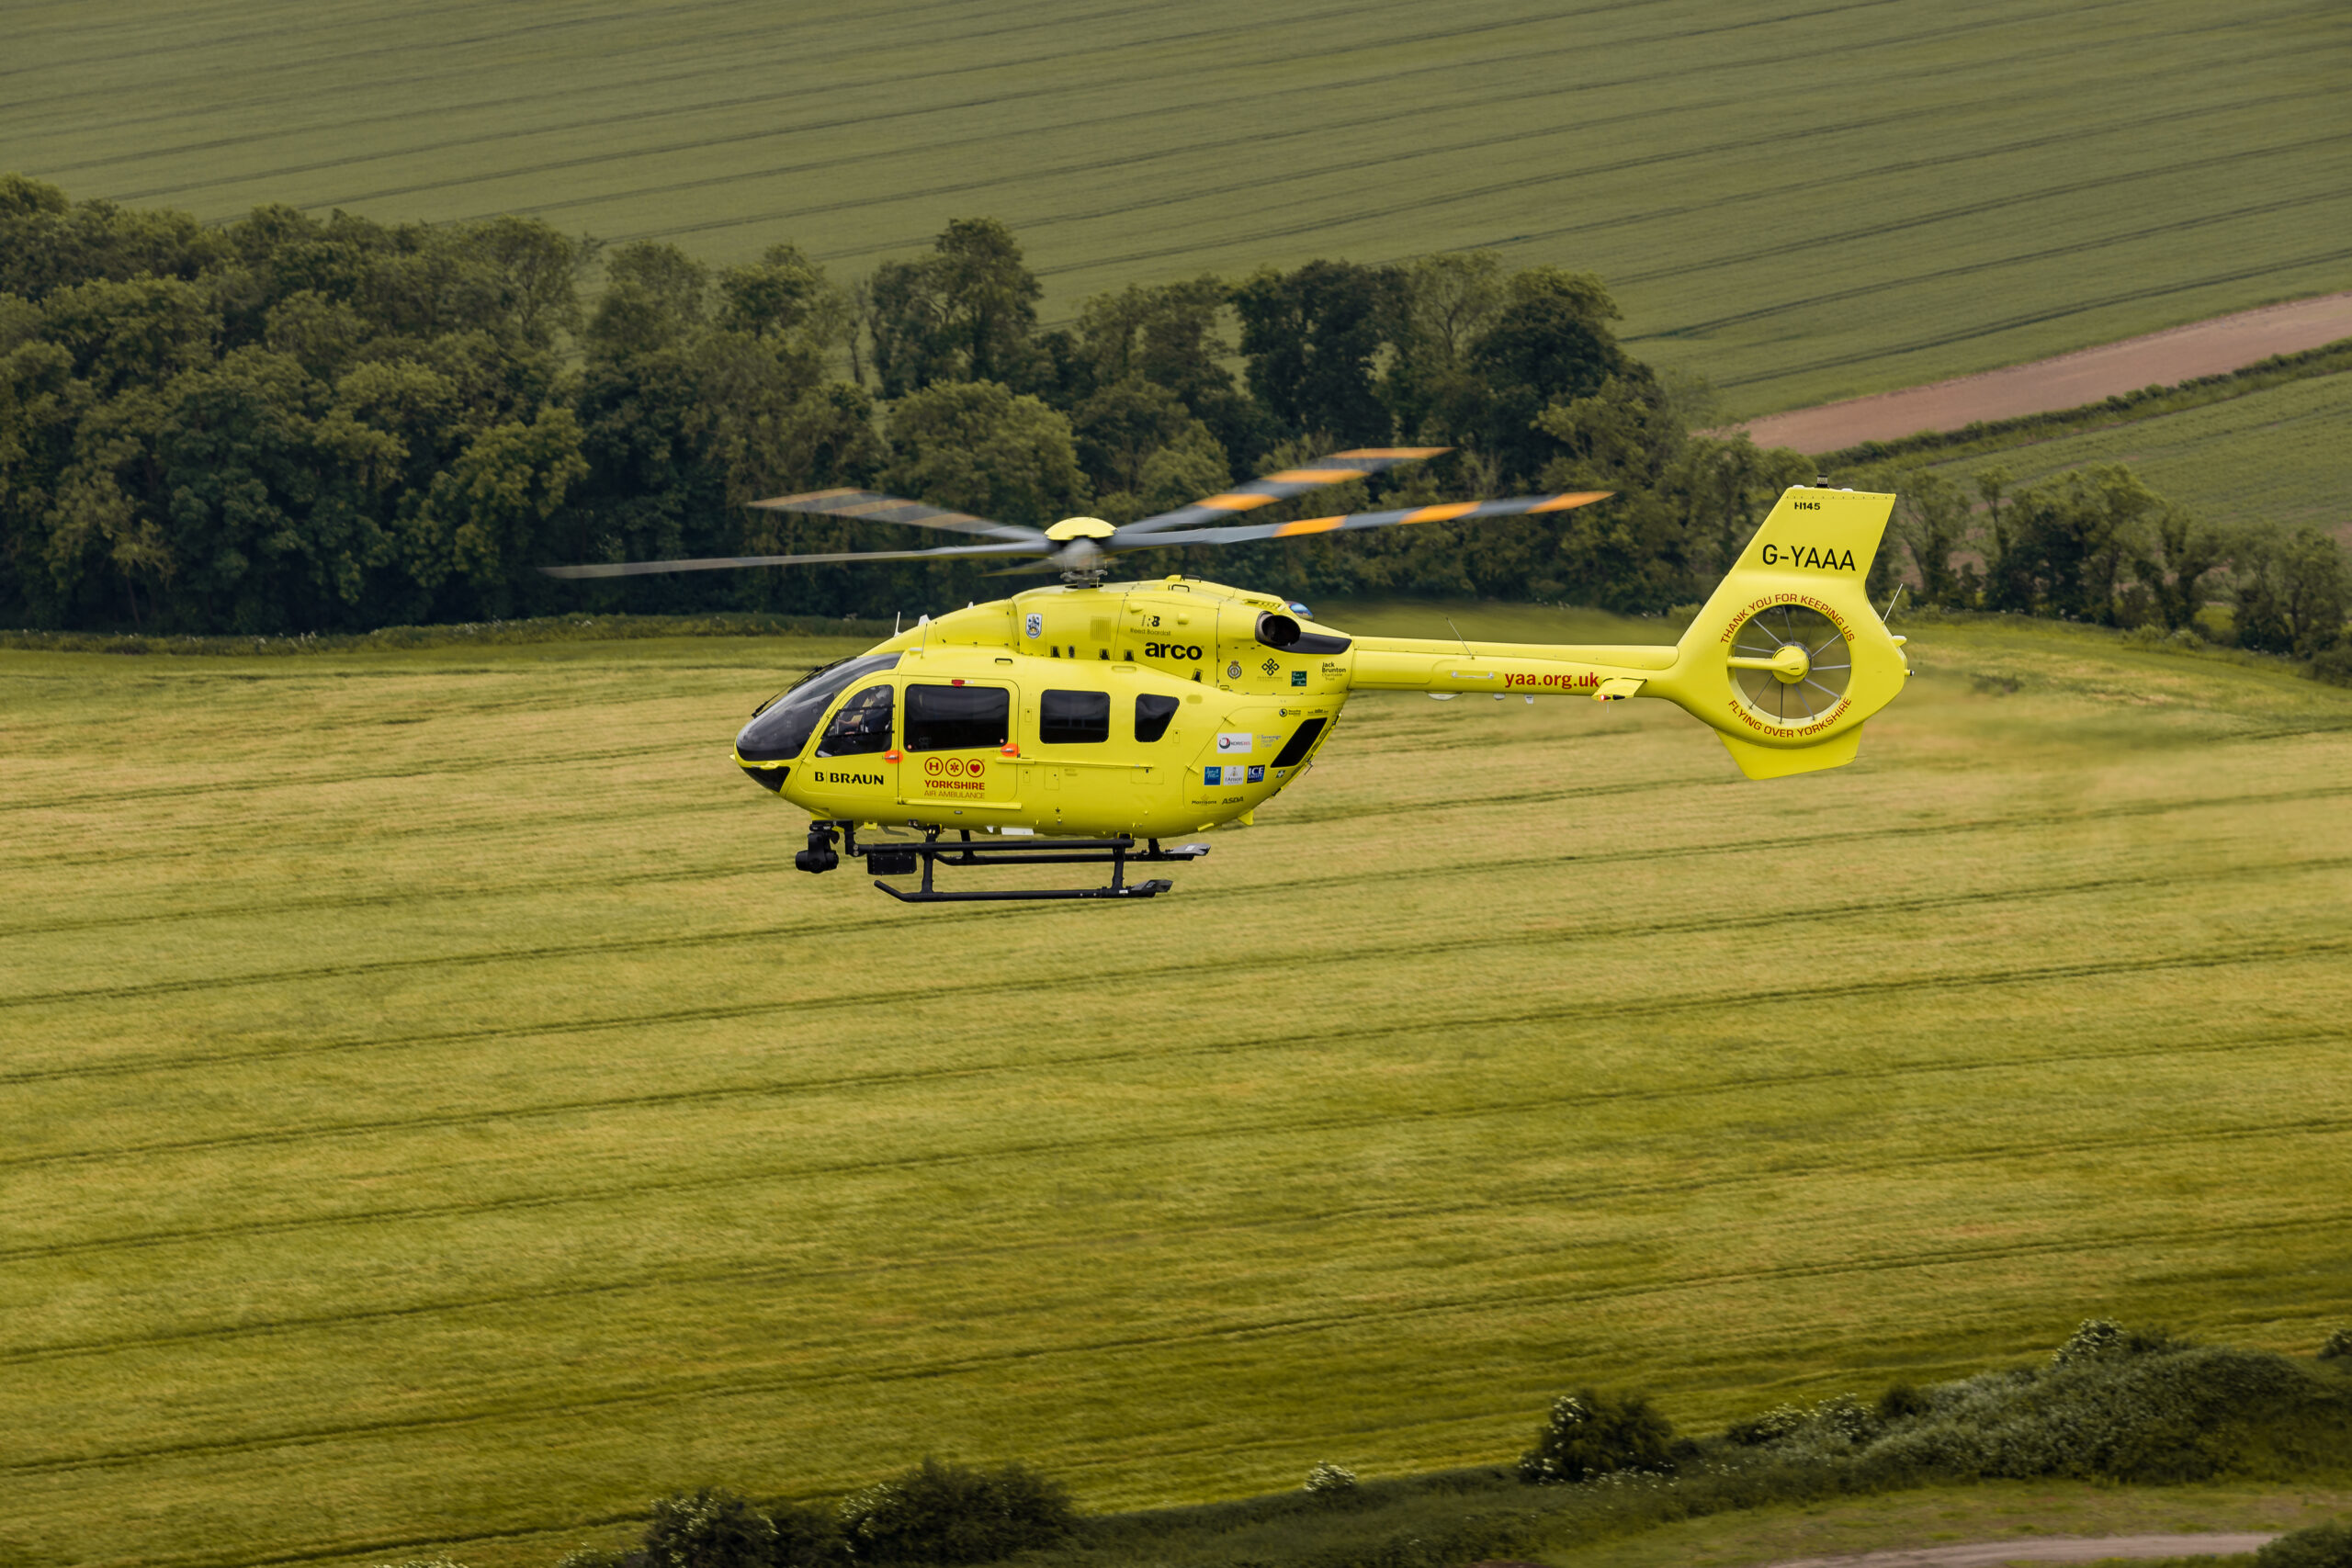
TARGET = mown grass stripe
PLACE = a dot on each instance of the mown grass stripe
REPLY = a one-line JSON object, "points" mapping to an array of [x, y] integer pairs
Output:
{"points": [[1583, 1013], [612, 946], [1269, 1325], [674, 1278]]}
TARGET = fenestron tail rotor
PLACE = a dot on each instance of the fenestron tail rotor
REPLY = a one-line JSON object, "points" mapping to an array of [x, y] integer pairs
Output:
{"points": [[1077, 547], [1790, 664]]}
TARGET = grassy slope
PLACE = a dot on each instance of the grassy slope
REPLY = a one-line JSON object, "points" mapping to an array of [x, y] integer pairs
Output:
{"points": [[436, 1116], [1805, 204], [2278, 454]]}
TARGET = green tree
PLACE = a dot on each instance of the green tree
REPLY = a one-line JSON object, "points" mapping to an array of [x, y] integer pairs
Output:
{"points": [[655, 298], [966, 312], [1634, 552], [975, 446], [2291, 589], [1547, 343], [482, 520], [784, 296], [1312, 337], [987, 300], [1121, 426], [2073, 537], [2174, 559], [1443, 305], [1932, 520]]}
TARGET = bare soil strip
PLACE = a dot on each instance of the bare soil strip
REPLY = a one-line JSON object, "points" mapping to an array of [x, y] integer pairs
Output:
{"points": [[2181, 354], [2045, 1549]]}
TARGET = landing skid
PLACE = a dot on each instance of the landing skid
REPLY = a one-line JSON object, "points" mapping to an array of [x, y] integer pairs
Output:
{"points": [[904, 859]]}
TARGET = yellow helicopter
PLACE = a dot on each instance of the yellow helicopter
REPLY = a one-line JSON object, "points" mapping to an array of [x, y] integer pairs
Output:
{"points": [[1087, 722]]}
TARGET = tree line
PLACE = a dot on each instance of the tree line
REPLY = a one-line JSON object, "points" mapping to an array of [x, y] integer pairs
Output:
{"points": [[289, 425], [2097, 545]]}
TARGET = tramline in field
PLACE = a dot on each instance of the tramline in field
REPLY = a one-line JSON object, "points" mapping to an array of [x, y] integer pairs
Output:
{"points": [[1104, 717]]}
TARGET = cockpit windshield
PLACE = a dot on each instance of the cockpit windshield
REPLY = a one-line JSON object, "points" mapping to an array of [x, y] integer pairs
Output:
{"points": [[778, 731]]}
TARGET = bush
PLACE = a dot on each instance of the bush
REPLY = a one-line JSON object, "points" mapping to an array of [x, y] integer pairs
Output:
{"points": [[952, 1513], [714, 1528], [2322, 1545], [1592, 1433], [2157, 1417], [2338, 1344], [1781, 1421], [1902, 1402], [1331, 1481], [709, 1528], [2103, 1338]]}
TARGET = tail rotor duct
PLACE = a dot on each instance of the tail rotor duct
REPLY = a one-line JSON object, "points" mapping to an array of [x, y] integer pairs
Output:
{"points": [[1790, 664]]}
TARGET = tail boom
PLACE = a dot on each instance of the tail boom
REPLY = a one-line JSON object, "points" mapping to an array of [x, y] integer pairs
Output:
{"points": [[1786, 661]]}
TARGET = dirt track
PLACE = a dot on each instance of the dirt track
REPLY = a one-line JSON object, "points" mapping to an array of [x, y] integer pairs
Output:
{"points": [[2044, 1548], [2200, 348]]}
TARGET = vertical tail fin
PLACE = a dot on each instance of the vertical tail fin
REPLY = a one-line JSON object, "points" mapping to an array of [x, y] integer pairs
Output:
{"points": [[1787, 658]]}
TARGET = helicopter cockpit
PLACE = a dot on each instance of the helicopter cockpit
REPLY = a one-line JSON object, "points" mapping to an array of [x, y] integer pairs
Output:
{"points": [[780, 727]]}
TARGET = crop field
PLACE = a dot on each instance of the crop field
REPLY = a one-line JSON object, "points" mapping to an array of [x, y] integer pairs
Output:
{"points": [[1803, 204], [2278, 455], [439, 1118]]}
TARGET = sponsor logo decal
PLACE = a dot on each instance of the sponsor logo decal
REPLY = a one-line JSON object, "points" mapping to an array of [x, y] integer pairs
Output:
{"points": [[1257, 773], [849, 778], [1217, 777], [1241, 743], [1269, 667], [1298, 677], [1232, 670], [1171, 650], [1811, 556], [954, 773], [1034, 626]]}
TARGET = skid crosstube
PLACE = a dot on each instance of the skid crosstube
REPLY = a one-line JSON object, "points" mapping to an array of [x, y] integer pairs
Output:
{"points": [[900, 858]]}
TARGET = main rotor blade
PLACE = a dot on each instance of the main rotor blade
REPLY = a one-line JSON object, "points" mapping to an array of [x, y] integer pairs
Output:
{"points": [[867, 505], [723, 563], [1130, 538], [1337, 469]]}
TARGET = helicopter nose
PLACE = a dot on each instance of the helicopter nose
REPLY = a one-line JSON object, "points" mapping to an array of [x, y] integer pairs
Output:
{"points": [[771, 778]]}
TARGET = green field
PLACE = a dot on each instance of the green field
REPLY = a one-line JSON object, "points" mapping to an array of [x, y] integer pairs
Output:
{"points": [[2281, 455], [440, 1118], [1804, 204]]}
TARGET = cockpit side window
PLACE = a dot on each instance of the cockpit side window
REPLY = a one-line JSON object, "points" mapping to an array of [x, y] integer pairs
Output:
{"points": [[1152, 714], [1074, 718], [782, 727], [957, 718], [863, 724]]}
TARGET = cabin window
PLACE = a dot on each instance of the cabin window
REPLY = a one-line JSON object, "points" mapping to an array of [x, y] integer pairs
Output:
{"points": [[1074, 718], [782, 725], [1152, 714], [1301, 742], [861, 725], [957, 718]]}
